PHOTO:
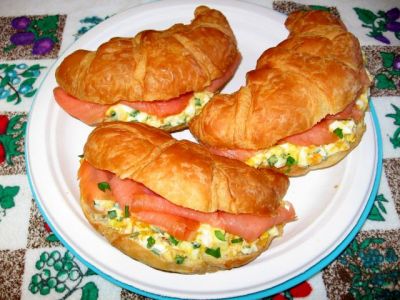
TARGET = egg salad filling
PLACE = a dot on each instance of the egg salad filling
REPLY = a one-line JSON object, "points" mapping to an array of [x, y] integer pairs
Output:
{"points": [[124, 113], [209, 242], [287, 154]]}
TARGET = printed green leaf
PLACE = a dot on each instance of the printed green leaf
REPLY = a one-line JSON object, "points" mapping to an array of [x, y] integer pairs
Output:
{"points": [[354, 246], [27, 82], [9, 48], [10, 191], [387, 59], [2, 66], [27, 74], [52, 238], [90, 272], [12, 97], [382, 207], [375, 214], [354, 268], [395, 140], [381, 197], [4, 81], [13, 127], [365, 243], [9, 68], [31, 93], [7, 202], [365, 15], [393, 72], [396, 115], [35, 67], [90, 291], [319, 7], [378, 240], [384, 83]]}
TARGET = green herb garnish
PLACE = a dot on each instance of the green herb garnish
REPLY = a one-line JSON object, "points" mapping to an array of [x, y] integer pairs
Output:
{"points": [[150, 242], [197, 101], [338, 132], [219, 235], [290, 161], [134, 234], [155, 251], [196, 245], [214, 252], [272, 160], [134, 113], [179, 259], [126, 211], [81, 156], [103, 186], [112, 214], [236, 241], [173, 240]]}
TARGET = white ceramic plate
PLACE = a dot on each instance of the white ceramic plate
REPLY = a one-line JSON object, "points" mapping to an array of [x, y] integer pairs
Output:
{"points": [[331, 204]]}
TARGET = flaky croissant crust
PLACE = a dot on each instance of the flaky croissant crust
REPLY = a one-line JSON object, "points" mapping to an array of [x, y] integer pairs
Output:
{"points": [[318, 70], [183, 172], [153, 65]]}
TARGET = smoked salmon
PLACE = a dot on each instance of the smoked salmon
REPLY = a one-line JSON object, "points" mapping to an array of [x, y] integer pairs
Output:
{"points": [[179, 221], [319, 134], [93, 113]]}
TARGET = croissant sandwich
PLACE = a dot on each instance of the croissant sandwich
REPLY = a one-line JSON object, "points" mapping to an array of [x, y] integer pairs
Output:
{"points": [[161, 78], [175, 206], [303, 106]]}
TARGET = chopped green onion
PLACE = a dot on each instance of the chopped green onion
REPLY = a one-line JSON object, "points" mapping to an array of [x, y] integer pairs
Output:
{"points": [[338, 132], [126, 211], [112, 214], [103, 186], [214, 252], [155, 251], [150, 242], [134, 234], [272, 160], [197, 102], [173, 240], [238, 240], [219, 235], [290, 161], [196, 245], [179, 259], [113, 114], [81, 156], [134, 113]]}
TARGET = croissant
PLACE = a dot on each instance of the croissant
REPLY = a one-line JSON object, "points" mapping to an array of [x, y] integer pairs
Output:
{"points": [[153, 76], [177, 194], [302, 107]]}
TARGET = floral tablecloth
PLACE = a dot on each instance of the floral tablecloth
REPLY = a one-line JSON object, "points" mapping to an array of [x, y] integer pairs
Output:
{"points": [[35, 265]]}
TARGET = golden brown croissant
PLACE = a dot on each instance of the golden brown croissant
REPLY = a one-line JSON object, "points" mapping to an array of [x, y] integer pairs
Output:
{"points": [[279, 119], [143, 73], [175, 193]]}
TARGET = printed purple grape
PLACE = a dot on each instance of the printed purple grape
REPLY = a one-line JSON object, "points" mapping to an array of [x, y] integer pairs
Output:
{"points": [[22, 38], [393, 26], [42, 46], [393, 14], [396, 63], [381, 38], [20, 23]]}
